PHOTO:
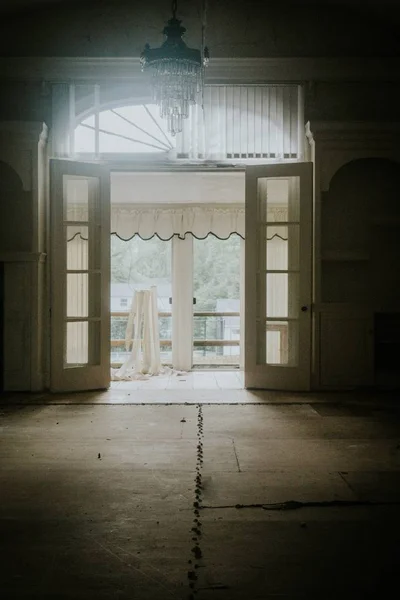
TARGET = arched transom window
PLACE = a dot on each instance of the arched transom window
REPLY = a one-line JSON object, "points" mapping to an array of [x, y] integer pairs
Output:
{"points": [[233, 123], [125, 129]]}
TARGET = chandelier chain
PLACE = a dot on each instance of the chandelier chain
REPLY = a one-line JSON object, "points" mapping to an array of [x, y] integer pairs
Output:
{"points": [[174, 8], [203, 25], [203, 44]]}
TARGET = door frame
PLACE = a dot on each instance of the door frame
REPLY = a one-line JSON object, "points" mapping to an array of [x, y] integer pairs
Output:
{"points": [[184, 359], [115, 166]]}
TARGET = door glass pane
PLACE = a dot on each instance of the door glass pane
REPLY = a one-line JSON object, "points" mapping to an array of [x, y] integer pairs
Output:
{"points": [[283, 247], [77, 348], [77, 295], [282, 343], [77, 248], [76, 198], [278, 293], [138, 264], [282, 295], [278, 199], [216, 314]]}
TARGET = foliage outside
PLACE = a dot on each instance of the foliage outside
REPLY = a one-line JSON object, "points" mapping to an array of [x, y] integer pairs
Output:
{"points": [[216, 276]]}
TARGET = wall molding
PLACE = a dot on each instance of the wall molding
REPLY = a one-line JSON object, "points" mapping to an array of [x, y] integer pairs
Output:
{"points": [[331, 146], [220, 70], [342, 142]]}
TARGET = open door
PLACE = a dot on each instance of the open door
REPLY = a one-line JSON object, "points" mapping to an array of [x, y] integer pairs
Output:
{"points": [[278, 276], [80, 276]]}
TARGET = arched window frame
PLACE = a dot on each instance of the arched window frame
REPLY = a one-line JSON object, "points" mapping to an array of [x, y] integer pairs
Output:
{"points": [[114, 104], [216, 134]]}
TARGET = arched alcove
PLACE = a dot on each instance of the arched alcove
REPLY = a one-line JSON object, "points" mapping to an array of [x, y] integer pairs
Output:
{"points": [[15, 212], [360, 277], [360, 218]]}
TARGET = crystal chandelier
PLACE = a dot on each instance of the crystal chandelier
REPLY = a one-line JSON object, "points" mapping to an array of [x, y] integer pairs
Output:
{"points": [[177, 73]]}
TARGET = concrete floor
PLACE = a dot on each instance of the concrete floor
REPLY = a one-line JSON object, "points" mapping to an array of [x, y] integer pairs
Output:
{"points": [[255, 501]]}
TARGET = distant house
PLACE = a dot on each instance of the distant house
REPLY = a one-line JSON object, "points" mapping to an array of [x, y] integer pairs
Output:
{"points": [[121, 301], [228, 327], [122, 295]]}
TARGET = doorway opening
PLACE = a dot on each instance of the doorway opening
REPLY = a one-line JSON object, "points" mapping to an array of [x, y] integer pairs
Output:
{"points": [[181, 233], [278, 266]]}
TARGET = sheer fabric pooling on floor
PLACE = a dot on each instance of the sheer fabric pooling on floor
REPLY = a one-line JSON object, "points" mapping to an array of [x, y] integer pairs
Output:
{"points": [[142, 332]]}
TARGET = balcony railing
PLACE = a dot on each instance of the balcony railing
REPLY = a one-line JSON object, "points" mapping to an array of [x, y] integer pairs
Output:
{"points": [[208, 349], [196, 342]]}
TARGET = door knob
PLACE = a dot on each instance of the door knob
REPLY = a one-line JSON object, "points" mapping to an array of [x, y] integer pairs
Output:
{"points": [[304, 308]]}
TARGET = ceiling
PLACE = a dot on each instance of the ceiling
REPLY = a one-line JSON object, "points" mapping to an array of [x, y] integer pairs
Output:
{"points": [[386, 10], [233, 28], [389, 7]]}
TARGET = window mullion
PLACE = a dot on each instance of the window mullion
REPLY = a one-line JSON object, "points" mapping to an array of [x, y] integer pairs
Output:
{"points": [[97, 120]]}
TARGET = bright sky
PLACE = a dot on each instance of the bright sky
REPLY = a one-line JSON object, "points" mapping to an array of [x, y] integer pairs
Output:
{"points": [[109, 121]]}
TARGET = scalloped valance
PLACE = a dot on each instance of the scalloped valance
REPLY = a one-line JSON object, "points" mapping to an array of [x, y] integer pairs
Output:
{"points": [[128, 220], [166, 222]]}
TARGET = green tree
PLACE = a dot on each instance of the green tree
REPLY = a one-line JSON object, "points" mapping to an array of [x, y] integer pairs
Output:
{"points": [[139, 261], [216, 273]]}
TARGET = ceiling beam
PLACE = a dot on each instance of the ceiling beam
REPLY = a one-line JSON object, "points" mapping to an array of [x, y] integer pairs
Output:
{"points": [[220, 70]]}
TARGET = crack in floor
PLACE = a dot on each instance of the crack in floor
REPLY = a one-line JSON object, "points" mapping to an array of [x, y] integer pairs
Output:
{"points": [[236, 456], [195, 561], [295, 504], [347, 483]]}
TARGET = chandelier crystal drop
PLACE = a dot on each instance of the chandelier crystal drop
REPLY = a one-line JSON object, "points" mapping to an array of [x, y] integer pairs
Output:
{"points": [[177, 73]]}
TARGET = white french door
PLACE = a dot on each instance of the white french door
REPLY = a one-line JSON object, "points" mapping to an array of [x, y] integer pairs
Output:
{"points": [[80, 277], [278, 272]]}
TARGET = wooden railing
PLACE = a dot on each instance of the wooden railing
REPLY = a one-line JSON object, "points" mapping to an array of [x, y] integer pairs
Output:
{"points": [[197, 343], [195, 314], [279, 327]]}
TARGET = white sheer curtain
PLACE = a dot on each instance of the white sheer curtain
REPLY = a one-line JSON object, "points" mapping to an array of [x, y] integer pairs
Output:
{"points": [[77, 300], [142, 332], [276, 291], [282, 247], [243, 122]]}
